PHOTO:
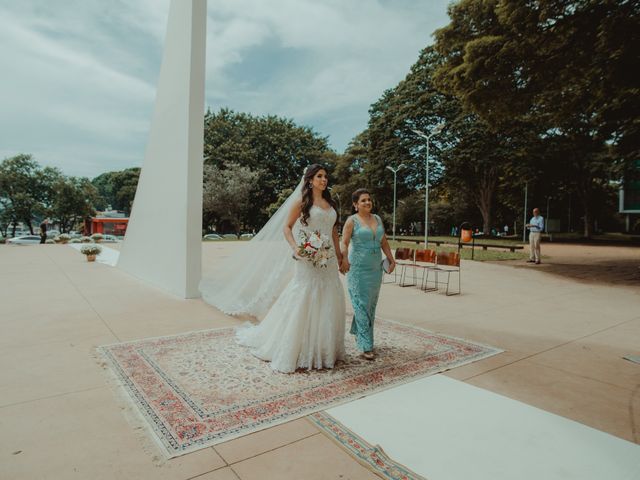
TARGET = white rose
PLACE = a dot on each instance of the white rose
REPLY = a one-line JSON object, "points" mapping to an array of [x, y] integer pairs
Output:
{"points": [[315, 241]]}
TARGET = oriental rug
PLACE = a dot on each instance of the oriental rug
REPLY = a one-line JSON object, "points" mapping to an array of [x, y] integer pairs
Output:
{"points": [[200, 388], [371, 456]]}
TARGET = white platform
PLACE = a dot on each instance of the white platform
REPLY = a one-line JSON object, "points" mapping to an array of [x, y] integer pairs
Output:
{"points": [[445, 429], [108, 256]]}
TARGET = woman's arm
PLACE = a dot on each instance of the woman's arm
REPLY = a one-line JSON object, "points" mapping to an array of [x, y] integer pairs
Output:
{"points": [[336, 244], [294, 214], [347, 231]]}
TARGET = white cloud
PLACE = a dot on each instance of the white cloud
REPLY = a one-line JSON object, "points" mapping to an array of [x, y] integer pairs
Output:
{"points": [[81, 80]]}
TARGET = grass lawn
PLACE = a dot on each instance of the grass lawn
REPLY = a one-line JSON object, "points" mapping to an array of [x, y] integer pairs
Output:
{"points": [[465, 253], [454, 240], [620, 238], [479, 255]]}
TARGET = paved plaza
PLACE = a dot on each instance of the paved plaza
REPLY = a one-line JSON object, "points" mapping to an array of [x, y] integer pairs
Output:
{"points": [[564, 334]]}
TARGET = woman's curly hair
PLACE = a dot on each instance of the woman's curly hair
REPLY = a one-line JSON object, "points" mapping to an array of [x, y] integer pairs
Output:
{"points": [[307, 196]]}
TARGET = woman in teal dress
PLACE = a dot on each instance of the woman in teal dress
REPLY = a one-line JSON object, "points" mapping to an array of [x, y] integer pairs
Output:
{"points": [[365, 232]]}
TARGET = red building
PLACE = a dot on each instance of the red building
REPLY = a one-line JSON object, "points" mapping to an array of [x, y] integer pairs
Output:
{"points": [[106, 226]]}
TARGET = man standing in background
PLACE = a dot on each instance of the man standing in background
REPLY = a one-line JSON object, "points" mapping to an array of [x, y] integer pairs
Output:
{"points": [[43, 230], [535, 226]]}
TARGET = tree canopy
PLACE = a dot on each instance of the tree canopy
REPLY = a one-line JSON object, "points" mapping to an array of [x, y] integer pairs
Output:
{"points": [[275, 147]]}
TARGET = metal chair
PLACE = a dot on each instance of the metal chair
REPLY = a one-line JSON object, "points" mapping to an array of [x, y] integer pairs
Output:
{"points": [[425, 259], [446, 264], [404, 258]]}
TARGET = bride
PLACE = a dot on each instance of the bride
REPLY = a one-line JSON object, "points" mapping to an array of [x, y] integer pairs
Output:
{"points": [[303, 303]]}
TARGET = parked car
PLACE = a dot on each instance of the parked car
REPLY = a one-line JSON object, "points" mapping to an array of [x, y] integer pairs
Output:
{"points": [[212, 236], [53, 233], [24, 240], [247, 235], [109, 239], [230, 236]]}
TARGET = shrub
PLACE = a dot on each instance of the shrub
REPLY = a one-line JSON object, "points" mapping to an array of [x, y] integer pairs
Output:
{"points": [[49, 241], [63, 238], [86, 240], [91, 249], [96, 237], [74, 240]]}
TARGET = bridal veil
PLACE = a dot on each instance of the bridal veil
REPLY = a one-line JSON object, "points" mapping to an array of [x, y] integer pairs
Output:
{"points": [[249, 280]]}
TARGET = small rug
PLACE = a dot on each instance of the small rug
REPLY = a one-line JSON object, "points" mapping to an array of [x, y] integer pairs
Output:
{"points": [[201, 388], [372, 457]]}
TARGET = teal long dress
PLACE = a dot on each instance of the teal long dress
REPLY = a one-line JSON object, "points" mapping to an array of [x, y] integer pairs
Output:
{"points": [[364, 279]]}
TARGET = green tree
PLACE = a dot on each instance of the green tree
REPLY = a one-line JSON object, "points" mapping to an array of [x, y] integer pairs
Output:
{"points": [[25, 189], [228, 196], [73, 201], [117, 189], [562, 67], [467, 161], [276, 147]]}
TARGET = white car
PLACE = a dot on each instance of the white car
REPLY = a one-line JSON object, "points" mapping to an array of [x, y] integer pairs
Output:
{"points": [[247, 235], [24, 240], [212, 236], [109, 239]]}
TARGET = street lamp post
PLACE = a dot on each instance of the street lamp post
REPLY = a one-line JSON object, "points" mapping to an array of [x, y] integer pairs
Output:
{"points": [[546, 222], [434, 131], [339, 205], [395, 172], [524, 219]]}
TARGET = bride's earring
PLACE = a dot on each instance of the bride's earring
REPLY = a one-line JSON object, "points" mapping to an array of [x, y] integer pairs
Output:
{"points": [[310, 186]]}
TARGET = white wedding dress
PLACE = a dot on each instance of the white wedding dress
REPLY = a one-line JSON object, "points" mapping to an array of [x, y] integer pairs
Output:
{"points": [[305, 326]]}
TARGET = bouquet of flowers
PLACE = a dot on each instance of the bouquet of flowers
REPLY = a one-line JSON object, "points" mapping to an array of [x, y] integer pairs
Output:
{"points": [[315, 248]]}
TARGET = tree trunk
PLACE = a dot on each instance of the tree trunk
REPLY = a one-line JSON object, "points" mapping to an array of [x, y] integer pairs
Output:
{"points": [[485, 199], [584, 193], [587, 220]]}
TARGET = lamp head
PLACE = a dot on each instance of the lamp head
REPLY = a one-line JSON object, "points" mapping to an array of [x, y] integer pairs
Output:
{"points": [[437, 129], [419, 133]]}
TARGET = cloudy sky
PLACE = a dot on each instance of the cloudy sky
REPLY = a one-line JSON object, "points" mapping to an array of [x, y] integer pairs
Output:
{"points": [[78, 76]]}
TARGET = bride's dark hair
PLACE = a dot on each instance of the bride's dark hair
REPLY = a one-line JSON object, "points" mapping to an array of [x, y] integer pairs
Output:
{"points": [[307, 196]]}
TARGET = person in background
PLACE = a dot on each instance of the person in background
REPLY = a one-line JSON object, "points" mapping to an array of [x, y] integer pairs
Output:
{"points": [[535, 226], [43, 230]]}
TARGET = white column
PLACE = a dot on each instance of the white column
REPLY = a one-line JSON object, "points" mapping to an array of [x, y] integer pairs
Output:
{"points": [[163, 241]]}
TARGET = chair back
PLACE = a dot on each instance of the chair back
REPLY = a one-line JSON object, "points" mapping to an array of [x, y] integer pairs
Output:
{"points": [[450, 259], [404, 254], [425, 256]]}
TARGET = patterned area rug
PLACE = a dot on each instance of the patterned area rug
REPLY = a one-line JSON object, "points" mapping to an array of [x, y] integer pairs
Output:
{"points": [[201, 388], [371, 456]]}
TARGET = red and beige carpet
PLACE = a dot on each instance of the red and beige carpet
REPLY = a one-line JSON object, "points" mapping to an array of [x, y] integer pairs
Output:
{"points": [[198, 389]]}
